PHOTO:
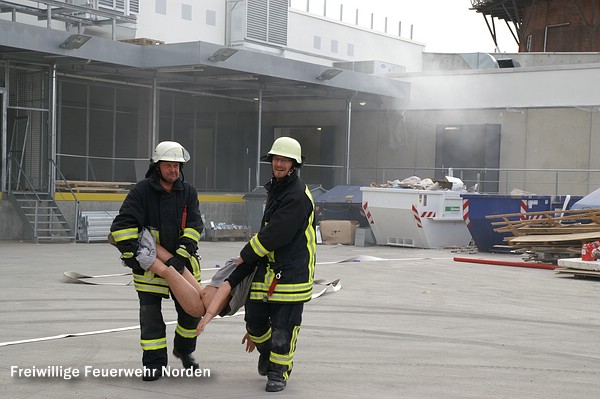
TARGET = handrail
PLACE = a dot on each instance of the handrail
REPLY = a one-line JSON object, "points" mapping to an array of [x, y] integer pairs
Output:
{"points": [[64, 179], [18, 177]]}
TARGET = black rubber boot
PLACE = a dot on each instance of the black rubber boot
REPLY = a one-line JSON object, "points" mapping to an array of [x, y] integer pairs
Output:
{"points": [[276, 382], [263, 363], [187, 360], [151, 374]]}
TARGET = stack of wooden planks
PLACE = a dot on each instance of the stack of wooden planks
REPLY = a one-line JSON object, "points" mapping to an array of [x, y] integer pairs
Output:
{"points": [[546, 236], [85, 186]]}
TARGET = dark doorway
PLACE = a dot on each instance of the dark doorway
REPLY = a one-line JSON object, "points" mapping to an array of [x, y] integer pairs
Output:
{"points": [[470, 150]]}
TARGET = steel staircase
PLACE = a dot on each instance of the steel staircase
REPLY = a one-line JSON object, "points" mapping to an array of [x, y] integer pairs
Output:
{"points": [[30, 195], [42, 217]]}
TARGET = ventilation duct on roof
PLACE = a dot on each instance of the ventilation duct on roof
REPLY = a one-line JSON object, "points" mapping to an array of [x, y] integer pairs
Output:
{"points": [[258, 21], [507, 63]]}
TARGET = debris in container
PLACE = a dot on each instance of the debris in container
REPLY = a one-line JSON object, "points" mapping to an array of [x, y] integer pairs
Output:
{"points": [[516, 191], [416, 183], [457, 184]]}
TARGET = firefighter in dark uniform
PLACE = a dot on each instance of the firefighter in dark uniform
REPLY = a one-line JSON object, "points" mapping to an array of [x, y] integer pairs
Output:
{"points": [[284, 253], [168, 207]]}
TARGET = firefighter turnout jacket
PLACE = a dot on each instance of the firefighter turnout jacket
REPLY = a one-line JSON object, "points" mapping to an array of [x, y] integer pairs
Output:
{"points": [[174, 220], [285, 247]]}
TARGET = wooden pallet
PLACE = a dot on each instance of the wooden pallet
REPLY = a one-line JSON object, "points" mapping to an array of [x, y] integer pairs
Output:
{"points": [[577, 272]]}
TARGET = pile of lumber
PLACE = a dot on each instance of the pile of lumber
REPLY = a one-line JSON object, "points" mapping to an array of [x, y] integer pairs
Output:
{"points": [[546, 236], [86, 186]]}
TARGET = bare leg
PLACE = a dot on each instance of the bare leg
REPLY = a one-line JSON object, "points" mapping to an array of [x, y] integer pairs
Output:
{"points": [[194, 299], [208, 293], [184, 286], [164, 255]]}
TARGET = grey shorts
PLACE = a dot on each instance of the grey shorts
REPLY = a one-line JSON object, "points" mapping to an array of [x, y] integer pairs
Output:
{"points": [[239, 293]]}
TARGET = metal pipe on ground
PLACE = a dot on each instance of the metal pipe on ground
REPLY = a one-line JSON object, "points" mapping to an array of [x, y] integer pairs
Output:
{"points": [[507, 263]]}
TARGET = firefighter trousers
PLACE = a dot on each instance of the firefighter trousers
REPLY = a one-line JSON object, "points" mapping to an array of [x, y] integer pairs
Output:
{"points": [[153, 335], [274, 328]]}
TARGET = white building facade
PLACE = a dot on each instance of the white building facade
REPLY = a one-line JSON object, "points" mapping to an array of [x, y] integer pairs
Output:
{"points": [[226, 77]]}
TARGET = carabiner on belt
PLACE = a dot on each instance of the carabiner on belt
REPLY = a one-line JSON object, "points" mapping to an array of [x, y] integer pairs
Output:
{"points": [[272, 287]]}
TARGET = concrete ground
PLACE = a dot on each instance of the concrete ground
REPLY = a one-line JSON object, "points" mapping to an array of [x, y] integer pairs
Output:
{"points": [[407, 323]]}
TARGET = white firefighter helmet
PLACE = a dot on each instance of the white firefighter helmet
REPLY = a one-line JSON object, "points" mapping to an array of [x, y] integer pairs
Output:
{"points": [[287, 147], [170, 151]]}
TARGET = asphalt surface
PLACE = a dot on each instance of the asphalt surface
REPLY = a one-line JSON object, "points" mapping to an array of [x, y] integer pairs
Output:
{"points": [[407, 323]]}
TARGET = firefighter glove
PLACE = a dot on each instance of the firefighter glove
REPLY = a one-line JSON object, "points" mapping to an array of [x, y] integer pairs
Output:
{"points": [[178, 263], [131, 262], [186, 249]]}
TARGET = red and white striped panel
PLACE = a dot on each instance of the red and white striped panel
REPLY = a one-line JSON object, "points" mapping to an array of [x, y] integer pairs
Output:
{"points": [[416, 216], [428, 214], [368, 213], [535, 217], [523, 209], [466, 212]]}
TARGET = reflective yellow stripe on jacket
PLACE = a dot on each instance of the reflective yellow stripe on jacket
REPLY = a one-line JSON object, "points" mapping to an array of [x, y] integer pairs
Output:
{"points": [[257, 247], [191, 233], [300, 292], [125, 234], [311, 238]]}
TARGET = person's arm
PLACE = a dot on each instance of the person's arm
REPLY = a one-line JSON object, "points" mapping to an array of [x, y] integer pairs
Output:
{"points": [[249, 344], [241, 271], [216, 305]]}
